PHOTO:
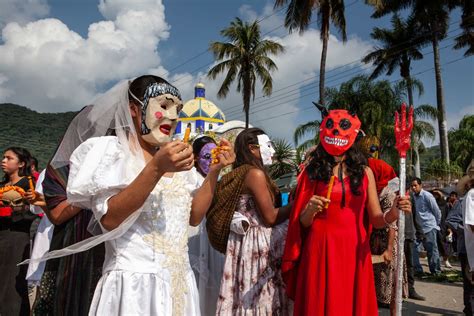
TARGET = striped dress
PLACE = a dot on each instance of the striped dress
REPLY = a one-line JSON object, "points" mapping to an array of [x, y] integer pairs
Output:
{"points": [[62, 292]]}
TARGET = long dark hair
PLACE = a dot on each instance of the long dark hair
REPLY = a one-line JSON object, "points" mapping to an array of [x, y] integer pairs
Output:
{"points": [[321, 166], [23, 156], [244, 155]]}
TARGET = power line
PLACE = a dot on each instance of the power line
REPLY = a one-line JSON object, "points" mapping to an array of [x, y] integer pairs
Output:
{"points": [[207, 50], [310, 86], [393, 81], [336, 68], [268, 32]]}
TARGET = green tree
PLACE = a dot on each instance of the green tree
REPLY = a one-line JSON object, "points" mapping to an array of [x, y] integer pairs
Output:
{"points": [[283, 159], [244, 58], [422, 130], [310, 128], [298, 17], [439, 169], [375, 103], [461, 142], [466, 39], [432, 18], [398, 47]]}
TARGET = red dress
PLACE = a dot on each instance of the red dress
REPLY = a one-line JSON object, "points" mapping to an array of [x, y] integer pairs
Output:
{"points": [[328, 267]]}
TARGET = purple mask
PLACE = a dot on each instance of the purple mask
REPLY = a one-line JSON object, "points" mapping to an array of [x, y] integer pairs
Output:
{"points": [[205, 157]]}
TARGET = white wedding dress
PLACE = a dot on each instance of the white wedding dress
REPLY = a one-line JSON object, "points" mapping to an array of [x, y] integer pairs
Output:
{"points": [[146, 269]]}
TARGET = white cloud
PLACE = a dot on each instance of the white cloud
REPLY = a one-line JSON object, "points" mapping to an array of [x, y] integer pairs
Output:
{"points": [[49, 67], [300, 61], [22, 11]]}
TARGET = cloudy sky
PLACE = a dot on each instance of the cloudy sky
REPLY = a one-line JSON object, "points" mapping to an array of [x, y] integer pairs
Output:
{"points": [[56, 55]]}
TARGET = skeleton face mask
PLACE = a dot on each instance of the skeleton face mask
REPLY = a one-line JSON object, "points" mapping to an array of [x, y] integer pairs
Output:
{"points": [[205, 157], [266, 149], [338, 131], [160, 108]]}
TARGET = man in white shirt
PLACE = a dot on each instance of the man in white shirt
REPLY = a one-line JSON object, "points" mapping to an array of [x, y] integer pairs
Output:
{"points": [[461, 219]]}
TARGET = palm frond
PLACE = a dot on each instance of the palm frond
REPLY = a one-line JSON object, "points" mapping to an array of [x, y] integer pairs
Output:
{"points": [[426, 111], [311, 128], [245, 59]]}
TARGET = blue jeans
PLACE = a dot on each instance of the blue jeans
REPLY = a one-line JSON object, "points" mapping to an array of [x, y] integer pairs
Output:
{"points": [[416, 258], [431, 247]]}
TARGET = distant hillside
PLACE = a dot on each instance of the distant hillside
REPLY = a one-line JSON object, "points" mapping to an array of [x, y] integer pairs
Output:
{"points": [[40, 133]]}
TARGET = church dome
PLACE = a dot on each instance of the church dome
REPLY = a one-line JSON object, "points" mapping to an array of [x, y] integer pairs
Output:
{"points": [[200, 108]]}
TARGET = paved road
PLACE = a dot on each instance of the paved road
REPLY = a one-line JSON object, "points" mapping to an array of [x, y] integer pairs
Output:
{"points": [[442, 298]]}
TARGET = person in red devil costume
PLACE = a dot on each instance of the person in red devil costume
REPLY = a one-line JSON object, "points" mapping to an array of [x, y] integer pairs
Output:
{"points": [[327, 262]]}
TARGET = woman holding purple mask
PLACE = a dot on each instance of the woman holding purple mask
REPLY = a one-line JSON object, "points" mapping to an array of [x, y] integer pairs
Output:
{"points": [[206, 262]]}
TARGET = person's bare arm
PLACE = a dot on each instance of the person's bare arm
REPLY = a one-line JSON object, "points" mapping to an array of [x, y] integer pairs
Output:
{"points": [[204, 195], [256, 183], [373, 204], [388, 253], [172, 157], [61, 213]]}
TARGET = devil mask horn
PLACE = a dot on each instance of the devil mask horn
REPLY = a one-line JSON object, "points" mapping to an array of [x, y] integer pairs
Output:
{"points": [[322, 109]]}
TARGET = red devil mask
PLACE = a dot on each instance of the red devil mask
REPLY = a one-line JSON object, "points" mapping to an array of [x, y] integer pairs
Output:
{"points": [[338, 131]]}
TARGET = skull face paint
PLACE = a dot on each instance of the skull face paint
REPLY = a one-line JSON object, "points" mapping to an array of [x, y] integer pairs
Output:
{"points": [[205, 158], [161, 119], [338, 131], [266, 149]]}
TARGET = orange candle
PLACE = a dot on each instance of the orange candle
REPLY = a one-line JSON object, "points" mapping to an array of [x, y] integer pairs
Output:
{"points": [[32, 187], [328, 195], [186, 134]]}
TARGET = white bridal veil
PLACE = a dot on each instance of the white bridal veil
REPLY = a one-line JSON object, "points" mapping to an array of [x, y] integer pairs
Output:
{"points": [[109, 113]]}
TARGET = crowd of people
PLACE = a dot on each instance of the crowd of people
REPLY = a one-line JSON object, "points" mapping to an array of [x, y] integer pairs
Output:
{"points": [[127, 220]]}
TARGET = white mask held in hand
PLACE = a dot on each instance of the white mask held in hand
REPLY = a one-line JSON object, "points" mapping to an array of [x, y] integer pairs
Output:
{"points": [[266, 149]]}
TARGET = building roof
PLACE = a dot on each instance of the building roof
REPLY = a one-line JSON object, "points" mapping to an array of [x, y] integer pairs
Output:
{"points": [[201, 108]]}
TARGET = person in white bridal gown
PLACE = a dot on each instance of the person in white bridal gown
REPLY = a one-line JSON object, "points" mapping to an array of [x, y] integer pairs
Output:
{"points": [[144, 193]]}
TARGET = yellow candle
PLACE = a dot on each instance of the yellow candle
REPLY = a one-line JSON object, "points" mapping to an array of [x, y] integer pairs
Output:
{"points": [[328, 195], [186, 134]]}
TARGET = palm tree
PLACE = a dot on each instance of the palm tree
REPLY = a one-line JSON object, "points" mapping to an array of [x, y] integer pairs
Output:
{"points": [[245, 57], [466, 39], [283, 159], [298, 17], [399, 46], [310, 128], [461, 141], [374, 101], [422, 130], [433, 19]]}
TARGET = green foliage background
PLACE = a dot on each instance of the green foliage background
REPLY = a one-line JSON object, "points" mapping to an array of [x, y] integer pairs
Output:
{"points": [[40, 133]]}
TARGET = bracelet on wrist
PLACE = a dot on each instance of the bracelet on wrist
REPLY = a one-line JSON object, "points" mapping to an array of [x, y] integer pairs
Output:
{"points": [[390, 225]]}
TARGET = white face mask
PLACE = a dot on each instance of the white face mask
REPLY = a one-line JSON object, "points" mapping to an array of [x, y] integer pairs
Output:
{"points": [[266, 149], [161, 118]]}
